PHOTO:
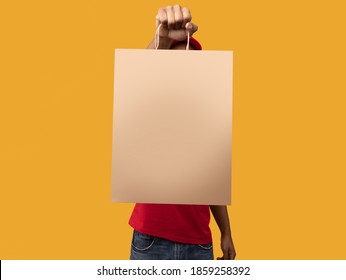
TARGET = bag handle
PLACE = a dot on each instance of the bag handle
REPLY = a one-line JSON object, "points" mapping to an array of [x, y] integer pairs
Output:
{"points": [[157, 38]]}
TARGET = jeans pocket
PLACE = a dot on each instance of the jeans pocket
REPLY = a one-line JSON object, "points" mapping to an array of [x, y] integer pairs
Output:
{"points": [[208, 246], [142, 242]]}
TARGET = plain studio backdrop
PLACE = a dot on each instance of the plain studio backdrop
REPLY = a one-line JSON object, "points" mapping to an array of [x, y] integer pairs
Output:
{"points": [[56, 121]]}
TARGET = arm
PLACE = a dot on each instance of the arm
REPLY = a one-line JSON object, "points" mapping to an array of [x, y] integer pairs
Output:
{"points": [[175, 22], [221, 217]]}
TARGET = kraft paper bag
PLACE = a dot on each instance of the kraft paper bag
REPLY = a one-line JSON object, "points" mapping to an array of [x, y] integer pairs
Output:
{"points": [[172, 127]]}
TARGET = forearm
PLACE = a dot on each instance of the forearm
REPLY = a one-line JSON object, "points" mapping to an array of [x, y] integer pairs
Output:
{"points": [[164, 43], [220, 214]]}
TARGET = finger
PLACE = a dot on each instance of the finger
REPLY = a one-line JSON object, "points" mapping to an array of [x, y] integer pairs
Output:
{"points": [[170, 17], [186, 16], [191, 27], [178, 16], [162, 16]]}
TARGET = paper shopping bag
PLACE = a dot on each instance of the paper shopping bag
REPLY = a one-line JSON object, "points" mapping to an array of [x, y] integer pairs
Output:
{"points": [[172, 127]]}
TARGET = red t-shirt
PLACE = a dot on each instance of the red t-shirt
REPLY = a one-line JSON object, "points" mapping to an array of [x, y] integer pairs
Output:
{"points": [[175, 222]]}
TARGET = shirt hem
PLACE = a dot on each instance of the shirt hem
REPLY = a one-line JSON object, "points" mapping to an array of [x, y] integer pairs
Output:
{"points": [[173, 238]]}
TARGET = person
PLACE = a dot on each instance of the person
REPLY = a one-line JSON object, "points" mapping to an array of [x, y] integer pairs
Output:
{"points": [[177, 231]]}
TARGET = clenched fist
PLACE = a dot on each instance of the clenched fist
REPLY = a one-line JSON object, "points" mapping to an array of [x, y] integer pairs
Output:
{"points": [[175, 24]]}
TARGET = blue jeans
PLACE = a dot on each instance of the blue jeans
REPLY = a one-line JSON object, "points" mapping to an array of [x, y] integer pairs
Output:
{"points": [[147, 247]]}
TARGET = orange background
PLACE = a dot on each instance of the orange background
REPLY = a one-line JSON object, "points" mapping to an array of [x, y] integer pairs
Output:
{"points": [[56, 93]]}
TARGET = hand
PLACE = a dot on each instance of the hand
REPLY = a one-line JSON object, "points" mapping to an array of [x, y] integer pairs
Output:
{"points": [[227, 247], [175, 22]]}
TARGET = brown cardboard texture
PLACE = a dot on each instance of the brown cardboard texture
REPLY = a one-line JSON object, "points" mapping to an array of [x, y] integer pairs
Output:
{"points": [[172, 127]]}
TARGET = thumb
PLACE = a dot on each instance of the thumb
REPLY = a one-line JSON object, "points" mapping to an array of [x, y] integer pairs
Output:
{"points": [[191, 27]]}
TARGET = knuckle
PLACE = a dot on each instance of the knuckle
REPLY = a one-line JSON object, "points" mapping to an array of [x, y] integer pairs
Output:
{"points": [[186, 10], [162, 16], [161, 12], [178, 18]]}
